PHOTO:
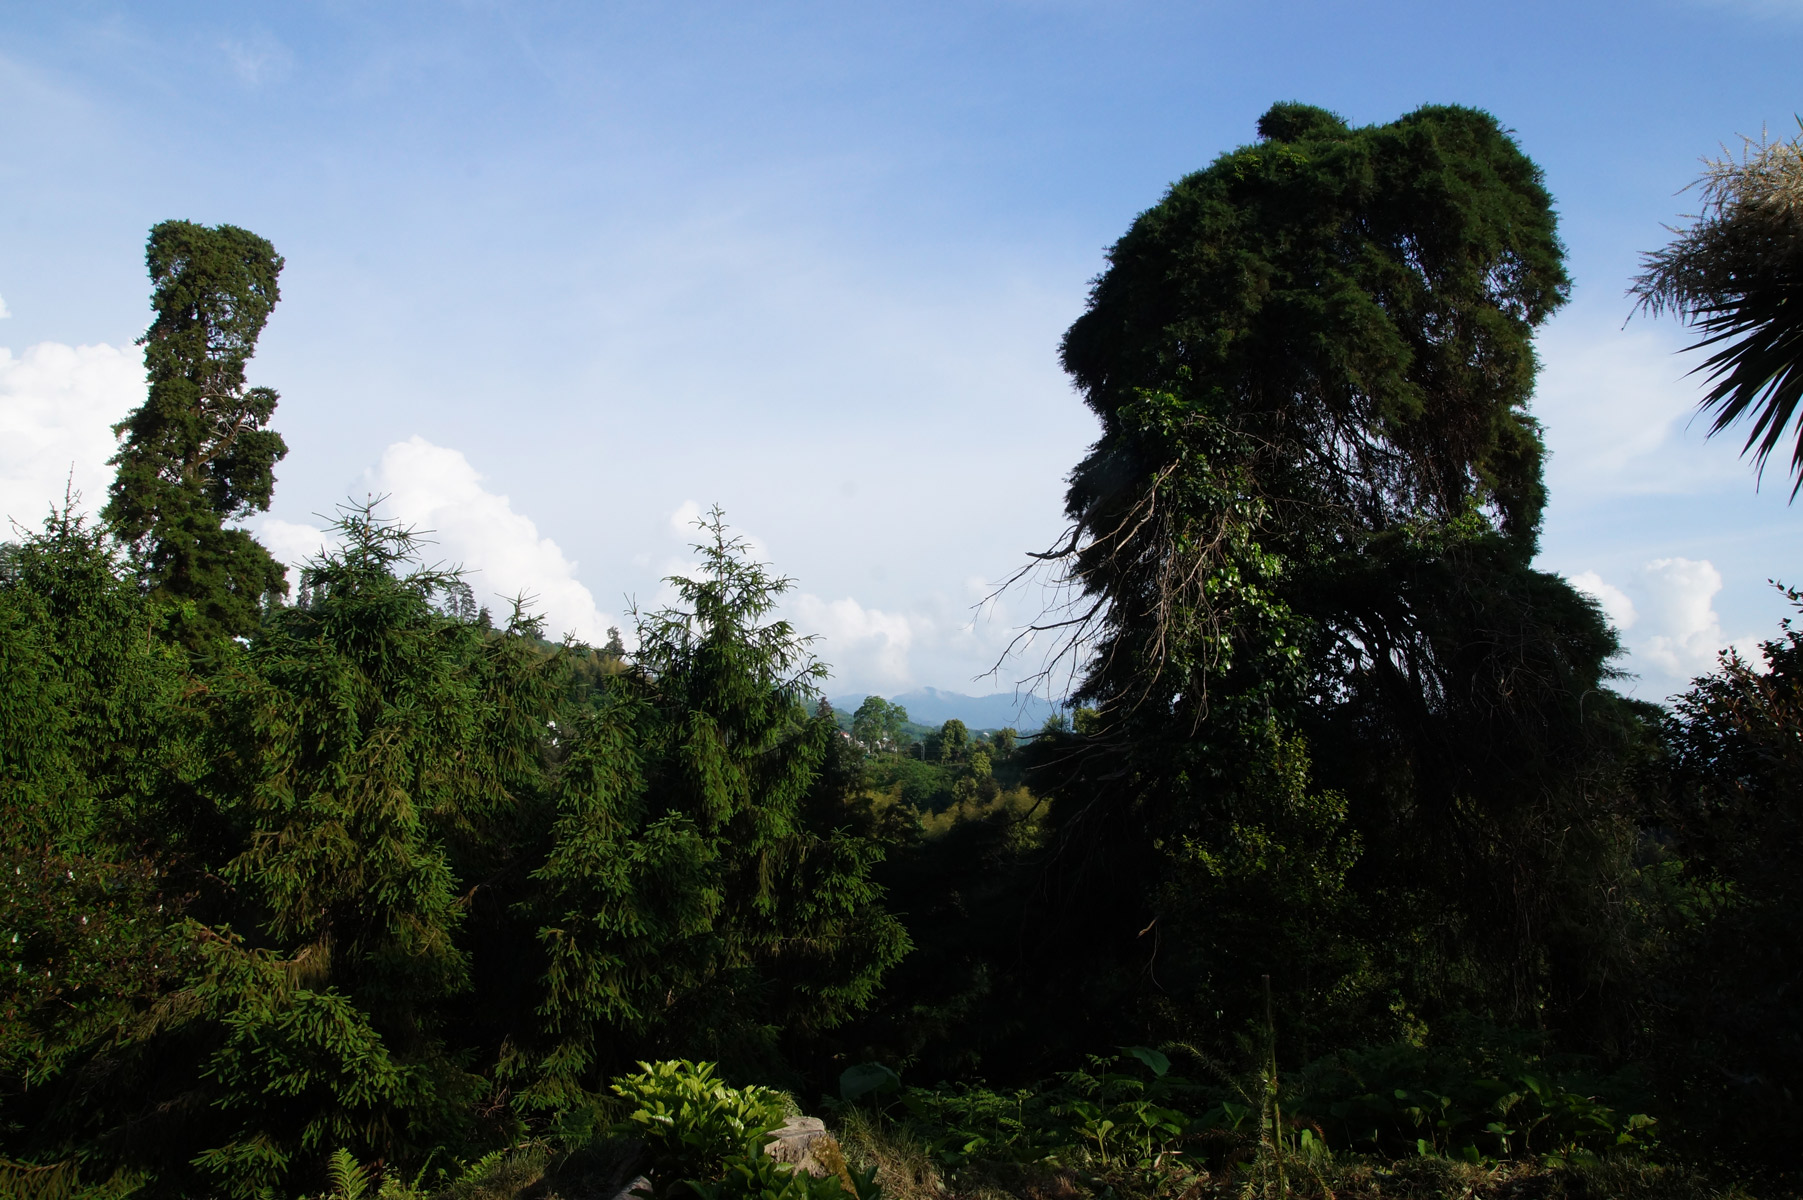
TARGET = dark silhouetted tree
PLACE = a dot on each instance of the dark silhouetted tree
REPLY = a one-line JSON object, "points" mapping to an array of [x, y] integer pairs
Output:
{"points": [[1336, 711]]}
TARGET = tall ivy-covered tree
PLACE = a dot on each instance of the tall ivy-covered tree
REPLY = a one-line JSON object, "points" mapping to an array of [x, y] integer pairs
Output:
{"points": [[198, 453], [1324, 670]]}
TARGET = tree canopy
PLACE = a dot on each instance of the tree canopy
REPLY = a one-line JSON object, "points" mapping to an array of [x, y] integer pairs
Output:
{"points": [[1323, 669], [198, 452], [879, 724]]}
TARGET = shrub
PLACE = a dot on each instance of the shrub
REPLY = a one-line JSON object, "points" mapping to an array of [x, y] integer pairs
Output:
{"points": [[692, 1122]]}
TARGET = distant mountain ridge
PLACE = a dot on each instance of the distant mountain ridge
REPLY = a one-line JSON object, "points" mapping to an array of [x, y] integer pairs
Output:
{"points": [[930, 706]]}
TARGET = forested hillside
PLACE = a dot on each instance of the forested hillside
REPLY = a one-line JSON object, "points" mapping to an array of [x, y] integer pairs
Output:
{"points": [[1350, 872]]}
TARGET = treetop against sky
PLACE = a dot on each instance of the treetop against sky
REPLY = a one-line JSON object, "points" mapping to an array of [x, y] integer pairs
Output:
{"points": [[560, 277]]}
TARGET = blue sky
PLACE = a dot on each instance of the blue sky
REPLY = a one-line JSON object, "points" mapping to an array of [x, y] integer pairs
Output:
{"points": [[560, 274]]}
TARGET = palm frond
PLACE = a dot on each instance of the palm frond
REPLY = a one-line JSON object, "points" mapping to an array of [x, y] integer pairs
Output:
{"points": [[1736, 274], [1758, 372]]}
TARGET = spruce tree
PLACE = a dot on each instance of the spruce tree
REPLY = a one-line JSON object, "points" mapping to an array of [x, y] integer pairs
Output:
{"points": [[96, 868], [352, 761], [198, 452], [706, 887]]}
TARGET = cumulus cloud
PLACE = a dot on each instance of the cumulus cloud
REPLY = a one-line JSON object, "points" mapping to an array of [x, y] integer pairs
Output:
{"points": [[1615, 603], [870, 648], [58, 405], [438, 491], [683, 520], [942, 639], [865, 645], [1667, 610], [1679, 597], [292, 544]]}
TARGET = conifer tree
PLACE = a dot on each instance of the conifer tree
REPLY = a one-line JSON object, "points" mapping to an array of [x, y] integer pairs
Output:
{"points": [[198, 452], [96, 861], [354, 764], [701, 892]]}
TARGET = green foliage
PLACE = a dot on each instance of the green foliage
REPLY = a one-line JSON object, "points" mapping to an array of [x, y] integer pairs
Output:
{"points": [[701, 884], [951, 743], [372, 891], [197, 453], [913, 782], [60, 1181], [98, 749], [350, 1180], [691, 1122], [1329, 717], [1722, 985], [879, 725], [354, 756], [1107, 1122], [1259, 887], [296, 904], [1404, 1099], [1129, 1122], [754, 1175]]}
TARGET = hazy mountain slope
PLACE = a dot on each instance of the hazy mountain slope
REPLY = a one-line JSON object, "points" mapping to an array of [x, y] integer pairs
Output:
{"points": [[930, 706]]}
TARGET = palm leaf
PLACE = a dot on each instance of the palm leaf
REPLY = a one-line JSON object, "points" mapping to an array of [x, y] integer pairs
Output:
{"points": [[1757, 374]]}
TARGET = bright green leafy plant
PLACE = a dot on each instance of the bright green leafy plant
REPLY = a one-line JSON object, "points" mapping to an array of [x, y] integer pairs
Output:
{"points": [[691, 1121]]}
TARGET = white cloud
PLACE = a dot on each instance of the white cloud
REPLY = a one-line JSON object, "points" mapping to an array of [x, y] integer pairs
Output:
{"points": [[5, 312], [875, 649], [684, 518], [435, 489], [1679, 598], [58, 405], [1615, 403], [864, 645], [292, 544], [1669, 604], [1616, 604], [257, 60], [955, 642]]}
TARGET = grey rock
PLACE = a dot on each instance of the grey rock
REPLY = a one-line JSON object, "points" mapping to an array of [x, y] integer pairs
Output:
{"points": [[641, 1185], [805, 1145]]}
